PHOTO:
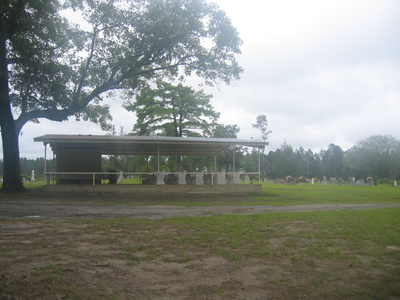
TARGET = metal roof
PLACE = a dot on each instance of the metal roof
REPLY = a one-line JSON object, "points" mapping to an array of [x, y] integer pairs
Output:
{"points": [[145, 145]]}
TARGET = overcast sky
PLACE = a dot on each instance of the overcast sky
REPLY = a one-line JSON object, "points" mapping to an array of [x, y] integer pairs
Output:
{"points": [[321, 71]]}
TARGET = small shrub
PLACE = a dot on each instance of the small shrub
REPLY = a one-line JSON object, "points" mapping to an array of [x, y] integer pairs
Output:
{"points": [[385, 181]]}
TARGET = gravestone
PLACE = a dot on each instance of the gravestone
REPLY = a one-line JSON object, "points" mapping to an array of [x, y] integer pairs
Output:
{"points": [[33, 177], [370, 181], [360, 182], [325, 181], [312, 180], [340, 181], [121, 177], [332, 181], [246, 179], [351, 181]]}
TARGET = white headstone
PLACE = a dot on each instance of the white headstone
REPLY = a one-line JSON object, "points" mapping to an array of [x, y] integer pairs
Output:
{"points": [[33, 176], [395, 183], [121, 177], [312, 180], [246, 179]]}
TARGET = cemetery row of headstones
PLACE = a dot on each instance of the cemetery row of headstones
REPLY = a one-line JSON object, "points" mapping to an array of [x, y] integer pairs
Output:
{"points": [[332, 181], [350, 181], [339, 181]]}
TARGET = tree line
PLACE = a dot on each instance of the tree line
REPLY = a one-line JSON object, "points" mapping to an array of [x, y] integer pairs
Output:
{"points": [[27, 165], [377, 156]]}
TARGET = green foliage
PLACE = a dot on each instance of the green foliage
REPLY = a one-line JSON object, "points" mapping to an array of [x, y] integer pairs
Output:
{"points": [[52, 69], [332, 161], [225, 159], [284, 162], [385, 181], [261, 124], [377, 156], [226, 131], [171, 110]]}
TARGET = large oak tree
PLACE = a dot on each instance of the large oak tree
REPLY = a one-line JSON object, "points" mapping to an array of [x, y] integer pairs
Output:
{"points": [[50, 68]]}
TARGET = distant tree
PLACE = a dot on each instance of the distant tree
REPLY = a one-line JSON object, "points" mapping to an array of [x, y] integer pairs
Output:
{"points": [[250, 163], [225, 159], [225, 131], [302, 160], [313, 161], [332, 161], [285, 162], [173, 110], [52, 69], [310, 163], [377, 156], [261, 124]]}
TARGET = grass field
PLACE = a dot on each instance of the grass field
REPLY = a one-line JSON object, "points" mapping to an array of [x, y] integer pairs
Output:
{"points": [[310, 255], [272, 194]]}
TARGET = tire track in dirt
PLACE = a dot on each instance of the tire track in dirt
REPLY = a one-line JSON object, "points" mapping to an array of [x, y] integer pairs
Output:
{"points": [[43, 210]]}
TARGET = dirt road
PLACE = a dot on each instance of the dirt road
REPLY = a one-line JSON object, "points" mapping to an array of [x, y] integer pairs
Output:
{"points": [[41, 210]]}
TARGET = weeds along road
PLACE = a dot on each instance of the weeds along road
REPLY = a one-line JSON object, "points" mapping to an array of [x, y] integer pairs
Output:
{"points": [[43, 210]]}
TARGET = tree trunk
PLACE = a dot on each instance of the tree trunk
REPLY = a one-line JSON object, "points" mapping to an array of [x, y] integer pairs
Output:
{"points": [[9, 131], [11, 167]]}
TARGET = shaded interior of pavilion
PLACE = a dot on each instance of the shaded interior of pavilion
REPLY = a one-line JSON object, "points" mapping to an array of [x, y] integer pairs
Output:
{"points": [[78, 159]]}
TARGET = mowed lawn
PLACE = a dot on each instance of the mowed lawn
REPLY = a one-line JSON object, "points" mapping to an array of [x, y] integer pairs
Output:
{"points": [[271, 194], [308, 255]]}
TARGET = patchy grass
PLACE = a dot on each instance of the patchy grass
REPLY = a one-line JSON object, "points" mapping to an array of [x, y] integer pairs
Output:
{"points": [[311, 255]]}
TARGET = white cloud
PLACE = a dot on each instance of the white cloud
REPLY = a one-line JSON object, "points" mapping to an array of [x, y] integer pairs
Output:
{"points": [[322, 71]]}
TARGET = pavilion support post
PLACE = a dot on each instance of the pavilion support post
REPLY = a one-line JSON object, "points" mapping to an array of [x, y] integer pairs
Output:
{"points": [[45, 156], [158, 160], [233, 167], [215, 169], [259, 166], [54, 168], [46, 177]]}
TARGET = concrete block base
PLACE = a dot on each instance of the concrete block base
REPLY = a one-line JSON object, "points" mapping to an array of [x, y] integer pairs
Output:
{"points": [[156, 189]]}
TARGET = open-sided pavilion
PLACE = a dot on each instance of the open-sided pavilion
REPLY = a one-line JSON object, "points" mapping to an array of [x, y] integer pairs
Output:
{"points": [[78, 158]]}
